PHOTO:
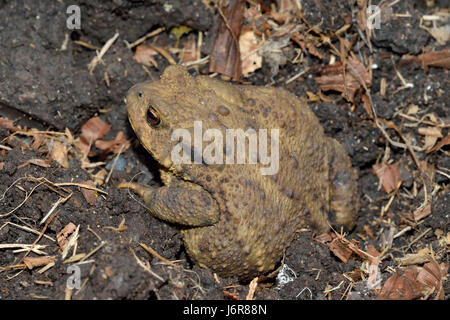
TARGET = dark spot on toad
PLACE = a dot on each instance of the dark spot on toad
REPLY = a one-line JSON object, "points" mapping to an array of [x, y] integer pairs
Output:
{"points": [[224, 111]]}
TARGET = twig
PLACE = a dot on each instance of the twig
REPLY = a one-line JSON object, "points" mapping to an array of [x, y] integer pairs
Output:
{"points": [[142, 39], [92, 252], [419, 237], [99, 56], [27, 229], [114, 163], [53, 208], [156, 254], [40, 235], [146, 267]]}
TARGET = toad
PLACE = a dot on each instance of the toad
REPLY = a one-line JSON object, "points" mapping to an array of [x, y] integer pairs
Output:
{"points": [[235, 218]]}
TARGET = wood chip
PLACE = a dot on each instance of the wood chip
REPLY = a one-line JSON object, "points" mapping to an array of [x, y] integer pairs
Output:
{"points": [[32, 262]]}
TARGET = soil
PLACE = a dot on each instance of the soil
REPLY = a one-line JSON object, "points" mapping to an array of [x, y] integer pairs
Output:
{"points": [[46, 85]]}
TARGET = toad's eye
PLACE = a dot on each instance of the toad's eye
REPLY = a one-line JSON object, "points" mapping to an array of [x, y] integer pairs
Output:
{"points": [[153, 117]]}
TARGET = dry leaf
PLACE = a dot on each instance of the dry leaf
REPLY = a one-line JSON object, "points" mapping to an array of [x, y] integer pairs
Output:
{"points": [[440, 144], [421, 213], [32, 262], [100, 176], [388, 175], [415, 282], [91, 130], [433, 58], [369, 232], [249, 45], [413, 258], [402, 285], [307, 45], [144, 54], [332, 78], [431, 276], [89, 195], [38, 162], [59, 153], [340, 250], [114, 146], [63, 236], [431, 131], [225, 57]]}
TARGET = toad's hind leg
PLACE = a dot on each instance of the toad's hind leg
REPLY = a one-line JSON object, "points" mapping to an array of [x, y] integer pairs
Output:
{"points": [[344, 198], [179, 202]]}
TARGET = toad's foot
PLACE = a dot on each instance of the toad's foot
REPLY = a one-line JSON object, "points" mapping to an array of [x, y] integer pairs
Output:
{"points": [[343, 187], [180, 202]]}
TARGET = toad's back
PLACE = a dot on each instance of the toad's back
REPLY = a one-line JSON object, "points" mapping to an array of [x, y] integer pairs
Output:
{"points": [[260, 213]]}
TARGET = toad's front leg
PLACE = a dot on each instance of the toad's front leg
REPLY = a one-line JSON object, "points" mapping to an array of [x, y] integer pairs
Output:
{"points": [[179, 201]]}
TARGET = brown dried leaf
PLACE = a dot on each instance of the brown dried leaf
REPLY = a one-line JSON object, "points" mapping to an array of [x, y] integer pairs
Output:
{"points": [[421, 213], [251, 60], [431, 131], [324, 238], [89, 195], [306, 44], [402, 285], [433, 58], [333, 78], [91, 130], [38, 139], [388, 175], [415, 282], [431, 276], [144, 54], [225, 57], [440, 144], [94, 129], [32, 262], [38, 162], [340, 250], [372, 251], [63, 236], [413, 258], [114, 146], [59, 154]]}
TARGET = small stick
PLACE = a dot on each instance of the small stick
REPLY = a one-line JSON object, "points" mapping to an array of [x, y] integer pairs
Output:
{"points": [[419, 237], [99, 56], [87, 45], [154, 253], [114, 164], [148, 35], [29, 230], [146, 268]]}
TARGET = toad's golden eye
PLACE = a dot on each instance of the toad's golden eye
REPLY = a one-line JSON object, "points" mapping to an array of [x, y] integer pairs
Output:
{"points": [[153, 117]]}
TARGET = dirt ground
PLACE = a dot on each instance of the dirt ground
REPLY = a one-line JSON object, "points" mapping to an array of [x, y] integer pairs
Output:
{"points": [[45, 85]]}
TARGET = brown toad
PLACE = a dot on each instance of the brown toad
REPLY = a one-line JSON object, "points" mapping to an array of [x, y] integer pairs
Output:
{"points": [[236, 220]]}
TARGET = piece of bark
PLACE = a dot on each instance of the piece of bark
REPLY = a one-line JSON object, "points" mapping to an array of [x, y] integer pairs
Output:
{"points": [[225, 57]]}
